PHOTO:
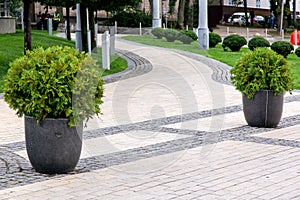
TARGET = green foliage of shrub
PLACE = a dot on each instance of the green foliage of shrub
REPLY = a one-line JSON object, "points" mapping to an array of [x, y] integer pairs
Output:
{"points": [[297, 52], [171, 35], [187, 37], [261, 69], [190, 34], [158, 32], [282, 47], [258, 42], [57, 82], [234, 42], [130, 19], [296, 25], [214, 39]]}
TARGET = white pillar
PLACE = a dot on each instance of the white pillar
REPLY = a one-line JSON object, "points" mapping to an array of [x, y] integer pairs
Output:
{"points": [[112, 48], [50, 26], [203, 37], [78, 29], [140, 28], [96, 33], [156, 21], [89, 40], [105, 51], [5, 9], [22, 18]]}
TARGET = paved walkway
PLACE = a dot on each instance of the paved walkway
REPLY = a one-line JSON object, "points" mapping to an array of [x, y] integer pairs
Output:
{"points": [[174, 132]]}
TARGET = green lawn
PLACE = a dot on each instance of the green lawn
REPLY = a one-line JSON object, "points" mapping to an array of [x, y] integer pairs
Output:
{"points": [[11, 47], [228, 57]]}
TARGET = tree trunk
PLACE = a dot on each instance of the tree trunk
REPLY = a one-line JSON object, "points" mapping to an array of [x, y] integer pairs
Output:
{"points": [[151, 6], [83, 28], [246, 13], [92, 27], [27, 25], [180, 16], [196, 14], [68, 23]]}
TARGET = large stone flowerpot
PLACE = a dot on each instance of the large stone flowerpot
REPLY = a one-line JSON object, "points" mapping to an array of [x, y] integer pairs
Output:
{"points": [[264, 110], [52, 146]]}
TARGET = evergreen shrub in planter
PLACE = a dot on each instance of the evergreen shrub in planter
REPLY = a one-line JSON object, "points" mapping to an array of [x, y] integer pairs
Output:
{"points": [[54, 83], [282, 47], [234, 42], [214, 39], [262, 76], [258, 41]]}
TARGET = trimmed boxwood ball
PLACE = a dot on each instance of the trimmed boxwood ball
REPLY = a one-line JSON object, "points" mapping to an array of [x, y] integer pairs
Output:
{"points": [[171, 35], [187, 37], [258, 41], [297, 52], [190, 34], [57, 82], [261, 69], [282, 47], [158, 32], [234, 42], [214, 39]]}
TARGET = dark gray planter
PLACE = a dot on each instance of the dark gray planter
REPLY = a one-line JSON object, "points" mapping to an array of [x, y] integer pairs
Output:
{"points": [[52, 146], [264, 110]]}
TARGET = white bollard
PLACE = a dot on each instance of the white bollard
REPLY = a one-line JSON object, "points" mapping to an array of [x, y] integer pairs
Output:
{"points": [[266, 33], [105, 51], [187, 27], [112, 42], [140, 28], [22, 19], [282, 34], [227, 30], [89, 39], [116, 27], [96, 34], [50, 26], [66, 30]]}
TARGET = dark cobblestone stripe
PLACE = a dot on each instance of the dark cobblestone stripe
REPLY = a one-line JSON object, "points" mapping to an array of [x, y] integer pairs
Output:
{"points": [[220, 70], [136, 66], [21, 173], [270, 141]]}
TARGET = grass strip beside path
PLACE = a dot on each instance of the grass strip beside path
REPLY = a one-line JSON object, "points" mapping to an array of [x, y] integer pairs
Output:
{"points": [[11, 47], [227, 57]]}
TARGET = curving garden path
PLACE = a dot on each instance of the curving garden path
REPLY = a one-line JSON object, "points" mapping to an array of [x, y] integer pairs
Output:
{"points": [[172, 128]]}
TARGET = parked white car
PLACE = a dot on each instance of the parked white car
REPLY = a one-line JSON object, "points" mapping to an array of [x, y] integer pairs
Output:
{"points": [[238, 18]]}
